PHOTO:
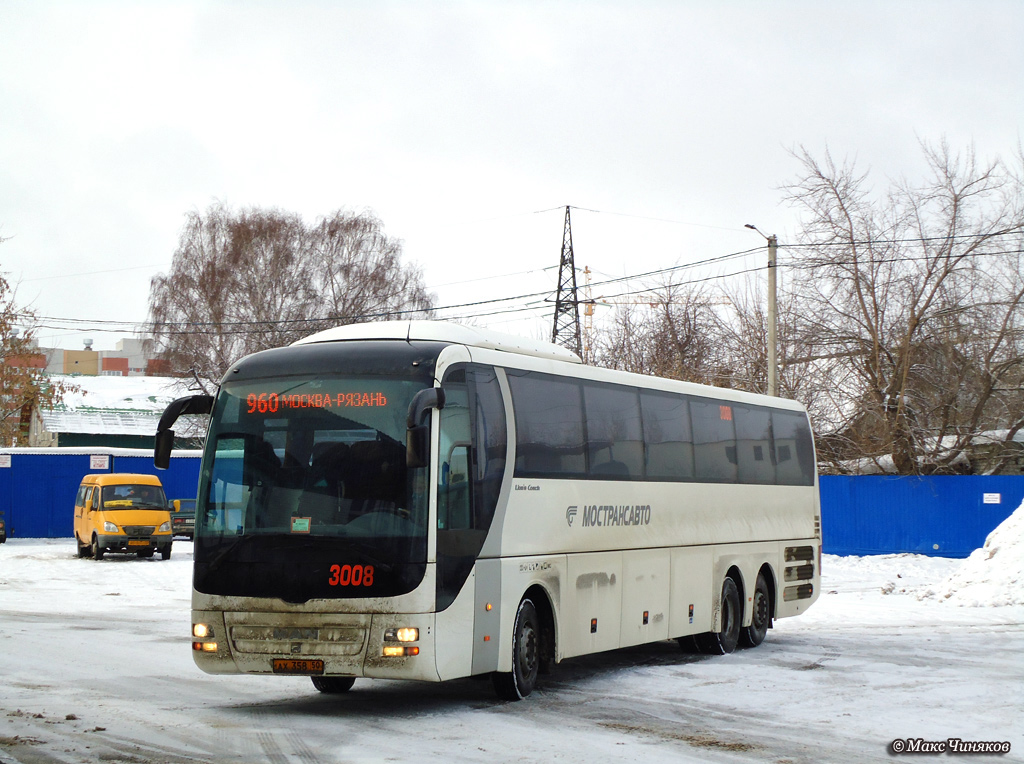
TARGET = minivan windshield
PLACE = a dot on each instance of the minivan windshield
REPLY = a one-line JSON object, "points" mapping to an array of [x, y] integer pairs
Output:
{"points": [[133, 496]]}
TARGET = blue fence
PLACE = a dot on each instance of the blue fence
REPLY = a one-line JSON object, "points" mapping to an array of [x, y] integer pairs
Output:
{"points": [[37, 490], [941, 516], [947, 516]]}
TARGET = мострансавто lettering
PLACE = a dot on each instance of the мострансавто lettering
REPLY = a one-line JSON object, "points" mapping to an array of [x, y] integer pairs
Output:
{"points": [[610, 514]]}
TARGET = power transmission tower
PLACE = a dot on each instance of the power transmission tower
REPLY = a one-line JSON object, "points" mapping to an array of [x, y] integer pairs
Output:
{"points": [[567, 307]]}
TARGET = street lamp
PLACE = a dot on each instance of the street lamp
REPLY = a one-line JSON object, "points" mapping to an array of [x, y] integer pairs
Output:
{"points": [[773, 322]]}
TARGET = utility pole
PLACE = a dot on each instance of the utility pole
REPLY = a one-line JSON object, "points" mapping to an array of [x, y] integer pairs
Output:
{"points": [[566, 330], [588, 317], [773, 321]]}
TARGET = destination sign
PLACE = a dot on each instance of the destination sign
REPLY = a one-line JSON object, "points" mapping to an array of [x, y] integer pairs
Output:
{"points": [[271, 403]]}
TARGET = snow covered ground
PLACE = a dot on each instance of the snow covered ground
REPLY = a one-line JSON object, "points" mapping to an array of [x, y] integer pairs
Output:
{"points": [[95, 664]]}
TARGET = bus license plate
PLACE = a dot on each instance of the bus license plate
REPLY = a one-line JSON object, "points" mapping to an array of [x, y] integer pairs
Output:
{"points": [[293, 666], [139, 542]]}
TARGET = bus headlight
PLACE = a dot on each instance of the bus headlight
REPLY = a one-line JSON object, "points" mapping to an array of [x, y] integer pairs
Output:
{"points": [[206, 647], [109, 527], [164, 527], [404, 634], [397, 651], [202, 631]]}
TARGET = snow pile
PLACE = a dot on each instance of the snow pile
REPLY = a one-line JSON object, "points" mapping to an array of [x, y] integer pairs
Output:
{"points": [[992, 575]]}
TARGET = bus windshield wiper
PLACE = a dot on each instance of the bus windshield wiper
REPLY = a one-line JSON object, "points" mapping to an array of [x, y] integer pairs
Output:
{"points": [[237, 544], [372, 556]]}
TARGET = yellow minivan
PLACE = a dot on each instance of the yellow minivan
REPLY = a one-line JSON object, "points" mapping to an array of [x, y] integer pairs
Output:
{"points": [[122, 513]]}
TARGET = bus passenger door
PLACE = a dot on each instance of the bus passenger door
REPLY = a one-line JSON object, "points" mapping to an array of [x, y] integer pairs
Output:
{"points": [[471, 464], [456, 547]]}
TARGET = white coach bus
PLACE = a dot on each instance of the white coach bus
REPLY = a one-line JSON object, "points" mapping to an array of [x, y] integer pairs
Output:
{"points": [[422, 500]]}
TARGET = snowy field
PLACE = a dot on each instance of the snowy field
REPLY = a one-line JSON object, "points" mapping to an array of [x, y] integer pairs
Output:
{"points": [[96, 665]]}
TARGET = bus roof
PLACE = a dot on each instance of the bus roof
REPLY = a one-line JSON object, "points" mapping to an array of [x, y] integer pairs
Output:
{"points": [[443, 331]]}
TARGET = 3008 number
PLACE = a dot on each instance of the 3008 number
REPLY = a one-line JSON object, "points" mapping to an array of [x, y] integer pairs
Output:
{"points": [[351, 575]]}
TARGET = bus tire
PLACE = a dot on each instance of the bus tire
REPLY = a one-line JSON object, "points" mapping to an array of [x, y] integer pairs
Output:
{"points": [[761, 618], [96, 550], [689, 644], [518, 683], [724, 641], [83, 549], [165, 552], [333, 684]]}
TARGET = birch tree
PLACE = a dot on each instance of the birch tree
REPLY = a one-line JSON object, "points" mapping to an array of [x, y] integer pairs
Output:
{"points": [[260, 278]]}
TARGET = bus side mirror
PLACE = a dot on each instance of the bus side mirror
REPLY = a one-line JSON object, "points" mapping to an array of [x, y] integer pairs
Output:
{"points": [[162, 450], [193, 404], [417, 436]]}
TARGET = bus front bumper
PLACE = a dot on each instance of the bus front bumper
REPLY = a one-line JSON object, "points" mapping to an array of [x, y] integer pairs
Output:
{"points": [[344, 644]]}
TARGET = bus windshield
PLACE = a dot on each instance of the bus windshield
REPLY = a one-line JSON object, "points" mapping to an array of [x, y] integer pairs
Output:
{"points": [[305, 491]]}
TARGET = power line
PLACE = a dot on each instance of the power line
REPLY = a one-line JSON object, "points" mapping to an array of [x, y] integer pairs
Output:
{"points": [[399, 311], [881, 261], [90, 273], [912, 240], [56, 323]]}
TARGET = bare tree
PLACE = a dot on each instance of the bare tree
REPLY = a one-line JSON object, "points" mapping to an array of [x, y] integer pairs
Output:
{"points": [[24, 385], [909, 308], [260, 278], [671, 333]]}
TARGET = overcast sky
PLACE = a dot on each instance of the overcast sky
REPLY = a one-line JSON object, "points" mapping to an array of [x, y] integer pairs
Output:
{"points": [[466, 127]]}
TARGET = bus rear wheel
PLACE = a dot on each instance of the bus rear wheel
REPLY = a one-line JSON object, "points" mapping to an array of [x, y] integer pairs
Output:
{"points": [[518, 683], [333, 684], [724, 641], [761, 619]]}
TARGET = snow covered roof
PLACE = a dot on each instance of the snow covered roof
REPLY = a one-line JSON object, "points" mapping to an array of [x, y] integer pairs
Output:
{"points": [[144, 394], [101, 422], [118, 406]]}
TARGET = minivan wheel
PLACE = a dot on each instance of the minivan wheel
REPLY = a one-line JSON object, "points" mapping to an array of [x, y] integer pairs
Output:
{"points": [[97, 550], [165, 552]]}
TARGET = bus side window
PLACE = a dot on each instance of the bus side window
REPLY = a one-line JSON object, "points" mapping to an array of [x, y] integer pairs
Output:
{"points": [[615, 441], [714, 440], [453, 495]]}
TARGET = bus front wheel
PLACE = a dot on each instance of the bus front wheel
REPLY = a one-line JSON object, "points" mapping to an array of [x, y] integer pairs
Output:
{"points": [[518, 683], [333, 684], [724, 641]]}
